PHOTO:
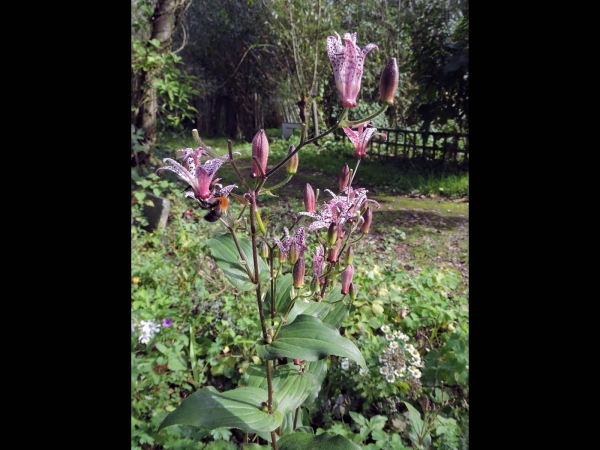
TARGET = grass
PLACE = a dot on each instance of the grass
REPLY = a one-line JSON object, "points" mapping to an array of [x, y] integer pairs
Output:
{"points": [[392, 177]]}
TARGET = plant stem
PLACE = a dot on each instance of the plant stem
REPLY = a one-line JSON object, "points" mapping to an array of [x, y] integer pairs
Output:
{"points": [[309, 141], [353, 123], [241, 253], [235, 169]]}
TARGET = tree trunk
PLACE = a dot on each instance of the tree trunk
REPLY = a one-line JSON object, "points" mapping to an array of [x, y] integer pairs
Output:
{"points": [[165, 19]]}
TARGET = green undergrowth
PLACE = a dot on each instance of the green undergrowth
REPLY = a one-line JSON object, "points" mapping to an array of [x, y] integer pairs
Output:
{"points": [[412, 274]]}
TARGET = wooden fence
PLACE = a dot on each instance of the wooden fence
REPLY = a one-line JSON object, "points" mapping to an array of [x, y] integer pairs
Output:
{"points": [[406, 144]]}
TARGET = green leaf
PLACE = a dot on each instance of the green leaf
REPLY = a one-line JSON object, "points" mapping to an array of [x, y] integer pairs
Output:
{"points": [[290, 388], [324, 441], [237, 408], [378, 422], [310, 308], [358, 418], [226, 256], [283, 296], [336, 316], [310, 339], [415, 418], [175, 364]]}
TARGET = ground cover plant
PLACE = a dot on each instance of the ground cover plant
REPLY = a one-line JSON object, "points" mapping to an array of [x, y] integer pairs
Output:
{"points": [[269, 328]]}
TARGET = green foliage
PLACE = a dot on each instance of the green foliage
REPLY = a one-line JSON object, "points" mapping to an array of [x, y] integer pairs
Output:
{"points": [[174, 87]]}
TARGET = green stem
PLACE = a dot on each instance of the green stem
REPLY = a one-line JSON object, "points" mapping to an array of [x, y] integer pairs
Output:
{"points": [[289, 308], [235, 169], [353, 123], [309, 141], [277, 186]]}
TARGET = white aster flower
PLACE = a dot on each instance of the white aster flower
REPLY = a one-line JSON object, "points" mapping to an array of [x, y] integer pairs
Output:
{"points": [[383, 370], [390, 336], [382, 358], [393, 345], [345, 364], [390, 378], [416, 373], [415, 353], [400, 372], [148, 330], [385, 329], [409, 347], [363, 372]]}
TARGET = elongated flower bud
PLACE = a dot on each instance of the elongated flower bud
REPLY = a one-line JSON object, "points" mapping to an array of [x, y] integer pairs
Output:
{"points": [[314, 284], [264, 250], [332, 253], [260, 149], [309, 198], [389, 82], [294, 253], [292, 164], [347, 276], [298, 273], [332, 233], [368, 217], [349, 255], [353, 291], [343, 177]]}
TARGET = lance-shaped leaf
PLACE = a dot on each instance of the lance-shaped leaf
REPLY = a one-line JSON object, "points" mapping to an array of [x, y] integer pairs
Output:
{"points": [[310, 308], [237, 408], [308, 338], [290, 388], [324, 441], [283, 296], [227, 257]]}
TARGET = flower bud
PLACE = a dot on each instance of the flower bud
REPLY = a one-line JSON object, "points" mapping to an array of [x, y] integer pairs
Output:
{"points": [[343, 177], [309, 198], [332, 253], [282, 257], [389, 82], [425, 404], [347, 275], [353, 291], [260, 149], [298, 273], [332, 233], [292, 164], [294, 253], [368, 217], [264, 250], [314, 284], [349, 255], [297, 361]]}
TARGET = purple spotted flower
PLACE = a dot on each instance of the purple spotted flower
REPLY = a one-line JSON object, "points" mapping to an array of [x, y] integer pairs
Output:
{"points": [[299, 241], [167, 322], [199, 176], [340, 209], [361, 137], [347, 62]]}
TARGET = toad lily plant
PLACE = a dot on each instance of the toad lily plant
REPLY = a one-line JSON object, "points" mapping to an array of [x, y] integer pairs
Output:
{"points": [[299, 321]]}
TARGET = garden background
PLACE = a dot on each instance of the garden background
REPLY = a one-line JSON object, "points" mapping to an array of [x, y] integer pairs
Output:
{"points": [[228, 69]]}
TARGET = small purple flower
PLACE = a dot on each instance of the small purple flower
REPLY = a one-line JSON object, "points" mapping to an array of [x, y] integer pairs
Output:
{"points": [[361, 137], [167, 322], [340, 209], [199, 176], [299, 239]]}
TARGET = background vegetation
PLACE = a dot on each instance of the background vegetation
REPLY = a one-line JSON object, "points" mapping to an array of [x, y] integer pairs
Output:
{"points": [[226, 68]]}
